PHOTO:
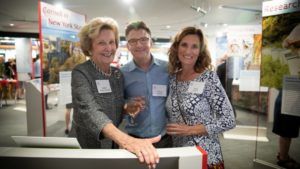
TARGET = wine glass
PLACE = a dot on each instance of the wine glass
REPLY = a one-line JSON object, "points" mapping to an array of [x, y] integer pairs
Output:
{"points": [[134, 106]]}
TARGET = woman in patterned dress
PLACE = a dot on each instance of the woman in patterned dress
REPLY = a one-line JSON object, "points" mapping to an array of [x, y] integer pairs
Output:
{"points": [[197, 104]]}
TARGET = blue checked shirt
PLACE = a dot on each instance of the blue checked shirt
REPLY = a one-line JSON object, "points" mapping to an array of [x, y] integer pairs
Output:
{"points": [[152, 120]]}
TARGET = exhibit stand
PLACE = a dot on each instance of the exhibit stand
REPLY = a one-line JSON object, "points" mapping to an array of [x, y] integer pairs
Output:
{"points": [[46, 158]]}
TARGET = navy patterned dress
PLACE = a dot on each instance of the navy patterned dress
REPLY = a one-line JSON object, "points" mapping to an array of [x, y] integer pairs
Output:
{"points": [[209, 107]]}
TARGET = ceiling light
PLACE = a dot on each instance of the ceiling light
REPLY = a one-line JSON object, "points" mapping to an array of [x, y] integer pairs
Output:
{"points": [[201, 6], [168, 26], [199, 9], [128, 1], [11, 24], [223, 24]]}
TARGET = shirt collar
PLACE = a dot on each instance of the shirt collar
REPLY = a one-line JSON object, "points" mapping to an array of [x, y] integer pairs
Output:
{"points": [[132, 66]]}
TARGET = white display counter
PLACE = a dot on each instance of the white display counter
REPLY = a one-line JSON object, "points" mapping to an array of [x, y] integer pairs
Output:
{"points": [[46, 158]]}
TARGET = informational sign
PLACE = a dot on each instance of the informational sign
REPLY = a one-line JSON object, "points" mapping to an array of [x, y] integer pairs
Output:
{"points": [[65, 87], [61, 22], [61, 49], [291, 96], [249, 80], [281, 36], [280, 7]]}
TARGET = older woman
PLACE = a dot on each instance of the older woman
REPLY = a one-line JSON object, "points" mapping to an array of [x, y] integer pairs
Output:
{"points": [[197, 104], [97, 93]]}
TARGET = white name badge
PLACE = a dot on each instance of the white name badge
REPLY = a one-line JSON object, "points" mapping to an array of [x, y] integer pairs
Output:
{"points": [[196, 87], [103, 86], [159, 90]]}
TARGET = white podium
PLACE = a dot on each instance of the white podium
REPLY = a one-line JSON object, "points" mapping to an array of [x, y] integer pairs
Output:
{"points": [[34, 108], [47, 158]]}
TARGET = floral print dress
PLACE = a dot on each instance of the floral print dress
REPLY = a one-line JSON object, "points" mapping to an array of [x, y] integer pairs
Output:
{"points": [[208, 106]]}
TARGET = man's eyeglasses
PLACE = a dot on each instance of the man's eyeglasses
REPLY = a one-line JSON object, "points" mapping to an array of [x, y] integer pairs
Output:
{"points": [[143, 41]]}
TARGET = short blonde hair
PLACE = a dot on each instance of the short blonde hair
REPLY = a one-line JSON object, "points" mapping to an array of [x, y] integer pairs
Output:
{"points": [[92, 29]]}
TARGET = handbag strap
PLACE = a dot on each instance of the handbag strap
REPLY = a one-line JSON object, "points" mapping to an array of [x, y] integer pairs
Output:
{"points": [[180, 110]]}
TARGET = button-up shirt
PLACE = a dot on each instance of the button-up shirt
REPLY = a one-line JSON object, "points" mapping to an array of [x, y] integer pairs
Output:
{"points": [[151, 121]]}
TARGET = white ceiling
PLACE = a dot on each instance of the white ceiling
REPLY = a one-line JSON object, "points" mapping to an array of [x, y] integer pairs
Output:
{"points": [[156, 13]]}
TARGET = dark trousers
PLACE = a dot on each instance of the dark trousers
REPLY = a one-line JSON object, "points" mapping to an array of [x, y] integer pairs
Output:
{"points": [[46, 102], [165, 141]]}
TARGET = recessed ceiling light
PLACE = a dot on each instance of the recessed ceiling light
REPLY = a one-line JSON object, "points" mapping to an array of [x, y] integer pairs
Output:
{"points": [[11, 24], [223, 24], [168, 26], [127, 1]]}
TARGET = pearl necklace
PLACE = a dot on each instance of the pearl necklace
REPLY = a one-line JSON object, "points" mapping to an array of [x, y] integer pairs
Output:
{"points": [[99, 70]]}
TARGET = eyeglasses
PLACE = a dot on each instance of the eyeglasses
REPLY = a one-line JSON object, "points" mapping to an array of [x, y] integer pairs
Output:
{"points": [[143, 41]]}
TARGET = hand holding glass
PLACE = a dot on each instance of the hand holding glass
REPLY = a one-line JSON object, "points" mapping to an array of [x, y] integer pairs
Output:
{"points": [[135, 105]]}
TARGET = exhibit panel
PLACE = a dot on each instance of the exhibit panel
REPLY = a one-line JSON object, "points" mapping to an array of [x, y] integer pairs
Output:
{"points": [[280, 72], [60, 53]]}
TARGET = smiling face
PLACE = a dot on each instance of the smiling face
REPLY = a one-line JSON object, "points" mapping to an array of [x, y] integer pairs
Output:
{"points": [[188, 50], [139, 44], [104, 48]]}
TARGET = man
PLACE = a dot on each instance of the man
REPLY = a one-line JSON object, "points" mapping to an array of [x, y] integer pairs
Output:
{"points": [[146, 77], [37, 67], [2, 67], [225, 81]]}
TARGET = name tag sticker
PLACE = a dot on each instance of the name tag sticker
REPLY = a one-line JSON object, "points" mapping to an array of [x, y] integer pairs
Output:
{"points": [[103, 86], [196, 87], [159, 90]]}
